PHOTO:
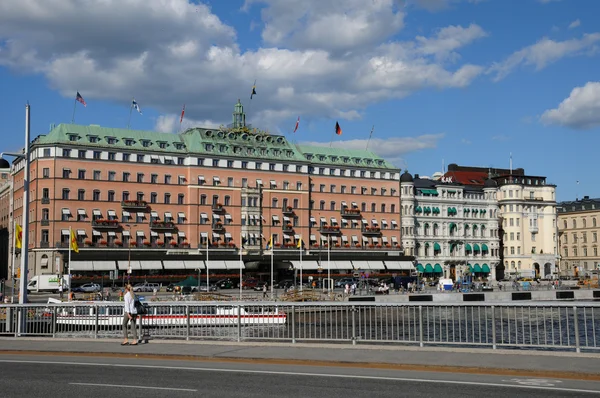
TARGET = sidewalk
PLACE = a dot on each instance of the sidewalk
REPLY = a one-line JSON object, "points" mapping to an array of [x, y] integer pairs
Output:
{"points": [[510, 362]]}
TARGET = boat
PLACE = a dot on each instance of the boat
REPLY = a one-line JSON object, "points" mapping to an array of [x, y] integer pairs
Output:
{"points": [[105, 313]]}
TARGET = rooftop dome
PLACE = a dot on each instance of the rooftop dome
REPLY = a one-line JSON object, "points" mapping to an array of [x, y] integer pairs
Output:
{"points": [[406, 177], [489, 183], [4, 164]]}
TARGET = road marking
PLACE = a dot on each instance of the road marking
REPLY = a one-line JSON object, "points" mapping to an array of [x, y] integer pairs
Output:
{"points": [[306, 374], [127, 386], [534, 382]]}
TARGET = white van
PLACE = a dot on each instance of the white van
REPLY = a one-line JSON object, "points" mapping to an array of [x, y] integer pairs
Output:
{"points": [[47, 283]]}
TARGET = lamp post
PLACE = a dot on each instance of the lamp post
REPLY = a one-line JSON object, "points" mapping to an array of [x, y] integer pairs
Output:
{"points": [[25, 229]]}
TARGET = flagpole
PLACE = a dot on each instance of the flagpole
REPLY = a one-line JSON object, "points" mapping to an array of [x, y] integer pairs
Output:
{"points": [[370, 135], [74, 109], [272, 251], [207, 278], [70, 244], [130, 110], [328, 265], [300, 263], [332, 137], [241, 263], [14, 252]]}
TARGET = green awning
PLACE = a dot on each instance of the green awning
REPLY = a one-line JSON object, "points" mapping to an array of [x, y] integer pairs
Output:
{"points": [[452, 246], [475, 211], [435, 225], [485, 269], [427, 210], [467, 226], [484, 247], [418, 209], [429, 191], [438, 269], [467, 210], [420, 268], [468, 247], [475, 226], [449, 210], [426, 225], [483, 227], [451, 191], [470, 268], [436, 246], [476, 247], [452, 225], [454, 210], [426, 244], [428, 269], [476, 268]]}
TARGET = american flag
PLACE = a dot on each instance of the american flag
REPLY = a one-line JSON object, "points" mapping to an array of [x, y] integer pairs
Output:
{"points": [[80, 99]]}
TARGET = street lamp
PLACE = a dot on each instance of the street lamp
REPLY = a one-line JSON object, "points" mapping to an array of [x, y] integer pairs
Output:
{"points": [[25, 229]]}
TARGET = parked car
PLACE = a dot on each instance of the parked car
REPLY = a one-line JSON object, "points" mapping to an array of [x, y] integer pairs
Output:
{"points": [[173, 288], [203, 287], [342, 282], [225, 284], [249, 283], [87, 288], [146, 287]]}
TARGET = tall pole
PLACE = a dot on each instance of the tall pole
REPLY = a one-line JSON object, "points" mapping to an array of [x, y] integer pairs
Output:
{"points": [[69, 295], [300, 263], [241, 263], [14, 235], [129, 120], [272, 251], [25, 229], [207, 278], [74, 109], [329, 263]]}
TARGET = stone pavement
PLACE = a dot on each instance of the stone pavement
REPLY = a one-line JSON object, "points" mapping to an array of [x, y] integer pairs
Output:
{"points": [[463, 360]]}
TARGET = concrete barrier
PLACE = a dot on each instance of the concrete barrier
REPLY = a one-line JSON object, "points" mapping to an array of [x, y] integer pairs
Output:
{"points": [[361, 298], [562, 295], [473, 297], [520, 296], [420, 297]]}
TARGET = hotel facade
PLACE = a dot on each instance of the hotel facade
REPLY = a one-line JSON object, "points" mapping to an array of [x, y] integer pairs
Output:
{"points": [[142, 201]]}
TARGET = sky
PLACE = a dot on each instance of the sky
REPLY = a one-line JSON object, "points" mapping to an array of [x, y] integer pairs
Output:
{"points": [[437, 81]]}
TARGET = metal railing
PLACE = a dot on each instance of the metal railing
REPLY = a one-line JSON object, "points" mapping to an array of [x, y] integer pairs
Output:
{"points": [[547, 326]]}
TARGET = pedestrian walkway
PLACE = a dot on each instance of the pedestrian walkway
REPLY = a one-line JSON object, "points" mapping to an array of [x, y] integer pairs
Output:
{"points": [[543, 364]]}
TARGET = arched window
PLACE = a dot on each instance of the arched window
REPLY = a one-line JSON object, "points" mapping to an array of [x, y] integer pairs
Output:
{"points": [[227, 201], [332, 205], [393, 208], [322, 205], [202, 199], [274, 202], [383, 207], [363, 206], [215, 199], [373, 207], [512, 264]]}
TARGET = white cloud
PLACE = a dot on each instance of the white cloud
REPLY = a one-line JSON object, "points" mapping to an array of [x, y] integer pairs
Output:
{"points": [[581, 110], [167, 52], [438, 5], [575, 24], [545, 52], [170, 123], [390, 148]]}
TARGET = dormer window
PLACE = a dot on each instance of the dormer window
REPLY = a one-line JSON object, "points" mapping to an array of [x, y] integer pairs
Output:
{"points": [[276, 152], [334, 158], [222, 148], [209, 147], [346, 160], [73, 137], [162, 145], [237, 149], [178, 145], [128, 141], [380, 162], [93, 139], [357, 160], [368, 161], [146, 143], [111, 140], [322, 158], [309, 156]]}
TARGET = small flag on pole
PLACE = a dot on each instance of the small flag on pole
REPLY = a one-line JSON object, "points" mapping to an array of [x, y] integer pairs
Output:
{"points": [[74, 245], [80, 99], [18, 236], [270, 243], [253, 90], [338, 129], [297, 124], [182, 113], [135, 105], [299, 244]]}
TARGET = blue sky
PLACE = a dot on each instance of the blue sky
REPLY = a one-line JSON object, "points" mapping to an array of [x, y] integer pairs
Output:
{"points": [[459, 81]]}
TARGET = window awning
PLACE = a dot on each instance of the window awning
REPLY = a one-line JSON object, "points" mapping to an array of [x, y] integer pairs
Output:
{"points": [[344, 204], [374, 221], [81, 266], [81, 212], [44, 261], [154, 214], [228, 216], [296, 236], [191, 264], [236, 264], [354, 222], [452, 225], [485, 268], [436, 246], [313, 238], [399, 265], [125, 213], [365, 239], [81, 232], [394, 222], [168, 234], [123, 265], [216, 179], [333, 220], [275, 218], [216, 235], [323, 219], [168, 215], [384, 239], [354, 238], [228, 235], [344, 265], [175, 264], [215, 264], [259, 182], [438, 269], [112, 233], [66, 211], [64, 232], [204, 216], [375, 239], [364, 221], [273, 183], [286, 218], [141, 214], [476, 247], [151, 264], [484, 247], [181, 215], [140, 233], [344, 238], [428, 269], [201, 179], [153, 233], [96, 212], [384, 222], [204, 234], [468, 247], [104, 265], [311, 265], [112, 213], [354, 204], [361, 265], [126, 233], [312, 219], [334, 238]]}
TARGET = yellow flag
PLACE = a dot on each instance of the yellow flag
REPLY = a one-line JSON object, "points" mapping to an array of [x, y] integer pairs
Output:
{"points": [[18, 236], [299, 245], [270, 243], [74, 245]]}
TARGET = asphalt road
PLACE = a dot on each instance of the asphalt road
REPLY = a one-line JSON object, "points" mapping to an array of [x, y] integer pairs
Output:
{"points": [[90, 376]]}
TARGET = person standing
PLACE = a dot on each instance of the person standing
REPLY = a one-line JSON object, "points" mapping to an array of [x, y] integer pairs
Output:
{"points": [[265, 291], [129, 316], [60, 289]]}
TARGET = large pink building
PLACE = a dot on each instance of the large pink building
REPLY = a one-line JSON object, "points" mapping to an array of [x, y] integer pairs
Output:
{"points": [[153, 201]]}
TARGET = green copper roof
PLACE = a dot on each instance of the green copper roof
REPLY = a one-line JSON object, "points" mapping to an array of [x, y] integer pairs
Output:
{"points": [[344, 157]]}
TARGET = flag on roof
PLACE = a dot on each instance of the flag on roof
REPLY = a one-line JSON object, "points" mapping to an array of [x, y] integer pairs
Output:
{"points": [[80, 99], [338, 129], [297, 124], [253, 90], [182, 113], [135, 105]]}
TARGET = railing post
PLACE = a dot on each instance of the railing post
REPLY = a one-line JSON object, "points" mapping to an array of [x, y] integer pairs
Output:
{"points": [[576, 324], [494, 327], [187, 320], [20, 321], [421, 326], [239, 323], [9, 319], [54, 320], [293, 324], [353, 309], [97, 321]]}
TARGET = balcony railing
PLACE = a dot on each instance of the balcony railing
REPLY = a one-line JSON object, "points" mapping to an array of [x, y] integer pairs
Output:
{"points": [[371, 231], [44, 245], [218, 227], [105, 224], [45, 223], [329, 229], [218, 208], [288, 211], [350, 213], [45, 201], [533, 229], [162, 225], [134, 204], [287, 227]]}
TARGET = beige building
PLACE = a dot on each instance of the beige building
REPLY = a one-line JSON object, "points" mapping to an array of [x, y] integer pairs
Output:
{"points": [[578, 225], [528, 214]]}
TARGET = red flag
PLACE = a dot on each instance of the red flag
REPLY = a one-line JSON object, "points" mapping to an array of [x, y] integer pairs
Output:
{"points": [[80, 99], [182, 113], [338, 129], [297, 123]]}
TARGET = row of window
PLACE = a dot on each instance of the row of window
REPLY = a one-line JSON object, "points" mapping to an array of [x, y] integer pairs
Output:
{"points": [[583, 223], [584, 250], [518, 250], [565, 237]]}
